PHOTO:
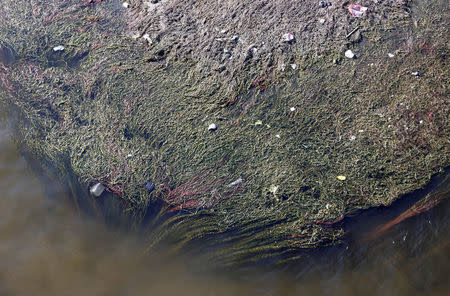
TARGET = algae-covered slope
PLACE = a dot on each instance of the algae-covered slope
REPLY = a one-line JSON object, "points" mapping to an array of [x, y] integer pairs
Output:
{"points": [[304, 137]]}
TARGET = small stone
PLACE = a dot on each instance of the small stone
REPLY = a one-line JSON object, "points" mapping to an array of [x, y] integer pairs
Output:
{"points": [[125, 5], [212, 127], [391, 55], [58, 48], [150, 186], [288, 37], [349, 54], [97, 189]]}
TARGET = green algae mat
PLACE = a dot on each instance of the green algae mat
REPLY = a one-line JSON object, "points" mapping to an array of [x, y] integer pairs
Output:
{"points": [[258, 127]]}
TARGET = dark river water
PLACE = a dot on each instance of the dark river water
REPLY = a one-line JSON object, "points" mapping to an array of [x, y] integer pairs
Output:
{"points": [[48, 249]]}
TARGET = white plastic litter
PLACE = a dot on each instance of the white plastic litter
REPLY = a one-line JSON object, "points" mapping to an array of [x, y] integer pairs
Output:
{"points": [[237, 182], [58, 48], [288, 37], [212, 127], [125, 5]]}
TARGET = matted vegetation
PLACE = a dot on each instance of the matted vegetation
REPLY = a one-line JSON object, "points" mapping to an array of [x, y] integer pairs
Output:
{"points": [[113, 113]]}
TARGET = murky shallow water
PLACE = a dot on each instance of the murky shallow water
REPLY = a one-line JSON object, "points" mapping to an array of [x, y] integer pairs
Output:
{"points": [[47, 249]]}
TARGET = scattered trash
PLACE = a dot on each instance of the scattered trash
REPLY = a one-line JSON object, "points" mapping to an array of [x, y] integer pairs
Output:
{"points": [[322, 20], [421, 122], [391, 55], [324, 4], [352, 138], [357, 10], [288, 37], [361, 131], [97, 189], [150, 186], [253, 50], [212, 127], [129, 155], [327, 206], [235, 38], [58, 48], [226, 51], [147, 38], [415, 74], [277, 136], [292, 109], [341, 177], [258, 122], [125, 5], [223, 31], [349, 54], [294, 66], [237, 182]]}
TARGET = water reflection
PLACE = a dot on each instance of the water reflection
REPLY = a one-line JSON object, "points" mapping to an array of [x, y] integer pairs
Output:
{"points": [[46, 248]]}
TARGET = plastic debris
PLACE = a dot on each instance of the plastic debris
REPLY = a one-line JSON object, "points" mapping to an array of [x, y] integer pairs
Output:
{"points": [[349, 54], [288, 37], [258, 122], [327, 206], [58, 48], [212, 127], [415, 74], [357, 10], [342, 177], [277, 136], [237, 182], [294, 66], [125, 5], [324, 4], [235, 38], [391, 55], [322, 20], [292, 109], [97, 189], [150, 186], [147, 38], [352, 138]]}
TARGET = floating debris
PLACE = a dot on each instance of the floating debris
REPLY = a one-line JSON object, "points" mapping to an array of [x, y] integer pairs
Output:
{"points": [[342, 177], [212, 127], [97, 189], [147, 38], [150, 186], [237, 182], [349, 54], [58, 48], [357, 10], [288, 37]]}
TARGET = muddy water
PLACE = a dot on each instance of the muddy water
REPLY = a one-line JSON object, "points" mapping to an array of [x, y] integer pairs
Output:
{"points": [[48, 249]]}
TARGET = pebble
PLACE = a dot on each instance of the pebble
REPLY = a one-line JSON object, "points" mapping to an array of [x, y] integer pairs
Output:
{"points": [[349, 54], [97, 189]]}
